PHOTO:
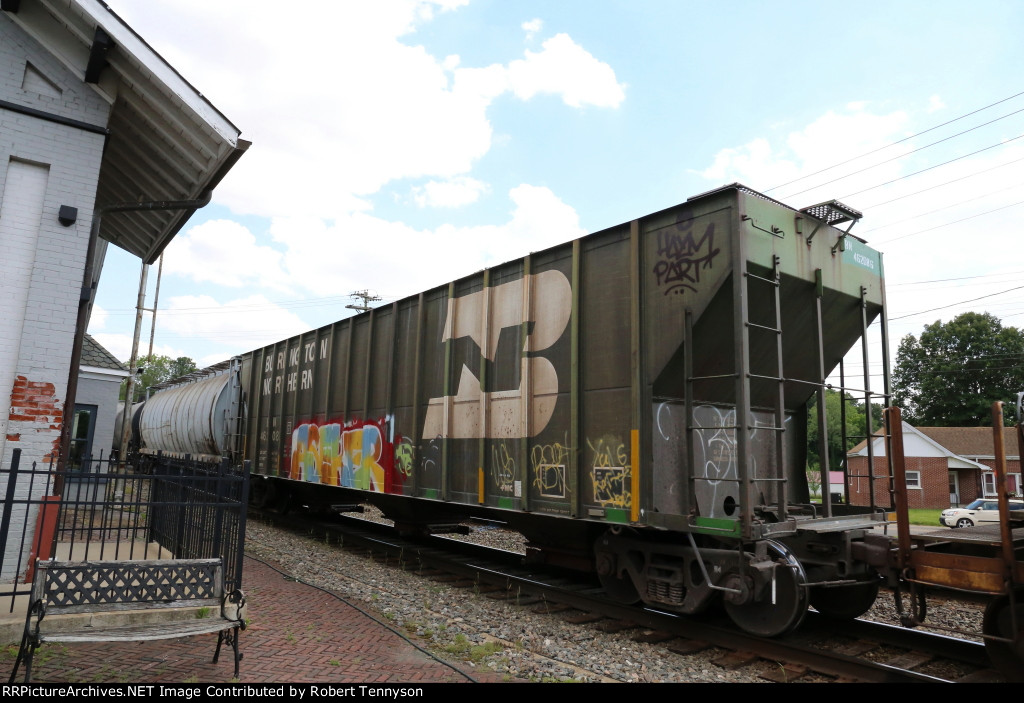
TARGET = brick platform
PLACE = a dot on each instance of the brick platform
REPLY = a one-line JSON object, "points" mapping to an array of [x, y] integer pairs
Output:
{"points": [[296, 633]]}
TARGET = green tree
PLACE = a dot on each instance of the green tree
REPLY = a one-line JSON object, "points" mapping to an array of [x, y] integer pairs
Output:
{"points": [[953, 373], [157, 369], [856, 421]]}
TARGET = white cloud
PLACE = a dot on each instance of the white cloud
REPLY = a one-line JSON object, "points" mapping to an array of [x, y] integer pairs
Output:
{"points": [[226, 253], [935, 104], [940, 224], [244, 323], [98, 318], [532, 27], [120, 345], [361, 251], [452, 193], [831, 139], [348, 103], [565, 68]]}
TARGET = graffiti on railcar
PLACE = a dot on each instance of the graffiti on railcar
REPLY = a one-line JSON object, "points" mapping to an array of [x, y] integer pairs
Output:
{"points": [[405, 457], [503, 468], [354, 455], [430, 459], [611, 472], [549, 480], [681, 255], [716, 461], [548, 462]]}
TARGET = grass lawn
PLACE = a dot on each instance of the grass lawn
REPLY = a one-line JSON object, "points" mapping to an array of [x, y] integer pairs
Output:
{"points": [[922, 516]]}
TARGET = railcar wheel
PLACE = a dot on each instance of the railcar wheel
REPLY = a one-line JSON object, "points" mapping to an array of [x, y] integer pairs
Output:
{"points": [[1006, 653], [618, 588], [844, 602], [786, 605]]}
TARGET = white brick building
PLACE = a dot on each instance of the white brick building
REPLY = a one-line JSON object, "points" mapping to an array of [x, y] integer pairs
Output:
{"points": [[100, 141]]}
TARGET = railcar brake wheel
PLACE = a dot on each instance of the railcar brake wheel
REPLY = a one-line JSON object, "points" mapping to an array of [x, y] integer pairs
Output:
{"points": [[776, 616], [845, 602], [1006, 653]]}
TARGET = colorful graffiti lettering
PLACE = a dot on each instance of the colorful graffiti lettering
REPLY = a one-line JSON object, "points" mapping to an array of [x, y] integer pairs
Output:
{"points": [[611, 472], [356, 455], [405, 457]]}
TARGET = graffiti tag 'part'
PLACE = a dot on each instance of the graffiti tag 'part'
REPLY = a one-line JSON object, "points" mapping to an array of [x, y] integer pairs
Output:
{"points": [[682, 257], [459, 416]]}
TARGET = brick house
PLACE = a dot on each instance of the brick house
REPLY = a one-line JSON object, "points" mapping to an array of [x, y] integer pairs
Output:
{"points": [[102, 141], [945, 466]]}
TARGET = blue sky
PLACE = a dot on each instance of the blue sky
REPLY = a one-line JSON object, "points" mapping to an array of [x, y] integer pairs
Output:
{"points": [[400, 144]]}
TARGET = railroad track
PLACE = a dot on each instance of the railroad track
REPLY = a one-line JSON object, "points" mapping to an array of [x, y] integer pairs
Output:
{"points": [[820, 650]]}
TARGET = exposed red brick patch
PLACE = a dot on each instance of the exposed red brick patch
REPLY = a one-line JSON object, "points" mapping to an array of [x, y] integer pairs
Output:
{"points": [[36, 402], [13, 437]]}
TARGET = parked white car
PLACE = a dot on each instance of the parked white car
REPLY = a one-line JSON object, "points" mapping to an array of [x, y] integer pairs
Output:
{"points": [[980, 511]]}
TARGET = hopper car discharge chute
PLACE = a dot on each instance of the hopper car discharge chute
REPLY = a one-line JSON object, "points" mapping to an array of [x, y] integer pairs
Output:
{"points": [[634, 402]]}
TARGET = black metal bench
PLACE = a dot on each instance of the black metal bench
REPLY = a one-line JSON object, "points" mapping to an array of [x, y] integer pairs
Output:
{"points": [[100, 596]]}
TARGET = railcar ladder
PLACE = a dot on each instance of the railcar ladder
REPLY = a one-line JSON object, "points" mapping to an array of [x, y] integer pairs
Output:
{"points": [[749, 482], [742, 376]]}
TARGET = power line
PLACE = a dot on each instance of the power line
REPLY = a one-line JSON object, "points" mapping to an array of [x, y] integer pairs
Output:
{"points": [[897, 158], [940, 185], [946, 224], [961, 278], [944, 207], [923, 170], [900, 141], [943, 307]]}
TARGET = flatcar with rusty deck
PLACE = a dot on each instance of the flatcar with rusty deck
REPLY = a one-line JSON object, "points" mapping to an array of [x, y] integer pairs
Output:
{"points": [[985, 559]]}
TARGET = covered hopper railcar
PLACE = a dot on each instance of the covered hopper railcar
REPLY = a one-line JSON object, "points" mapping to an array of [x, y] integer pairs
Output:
{"points": [[634, 402]]}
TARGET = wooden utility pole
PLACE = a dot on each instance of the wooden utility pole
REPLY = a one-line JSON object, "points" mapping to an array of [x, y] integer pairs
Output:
{"points": [[367, 298]]}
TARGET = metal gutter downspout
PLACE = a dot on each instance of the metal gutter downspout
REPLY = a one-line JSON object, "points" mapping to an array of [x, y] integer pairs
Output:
{"points": [[85, 300]]}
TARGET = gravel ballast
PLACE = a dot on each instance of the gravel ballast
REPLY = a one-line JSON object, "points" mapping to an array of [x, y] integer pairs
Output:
{"points": [[479, 634]]}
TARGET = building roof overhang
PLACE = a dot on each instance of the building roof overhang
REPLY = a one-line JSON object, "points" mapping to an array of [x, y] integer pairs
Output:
{"points": [[165, 141]]}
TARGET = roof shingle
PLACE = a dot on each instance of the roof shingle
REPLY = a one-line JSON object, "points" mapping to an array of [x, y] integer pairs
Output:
{"points": [[93, 354]]}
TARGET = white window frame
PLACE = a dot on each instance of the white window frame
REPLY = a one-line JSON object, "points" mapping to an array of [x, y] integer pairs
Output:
{"points": [[916, 485], [990, 476]]}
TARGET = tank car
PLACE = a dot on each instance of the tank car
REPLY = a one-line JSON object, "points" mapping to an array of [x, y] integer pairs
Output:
{"points": [[196, 415], [133, 431], [634, 402]]}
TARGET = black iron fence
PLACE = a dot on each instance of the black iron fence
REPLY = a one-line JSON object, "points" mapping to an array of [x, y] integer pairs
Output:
{"points": [[170, 509]]}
